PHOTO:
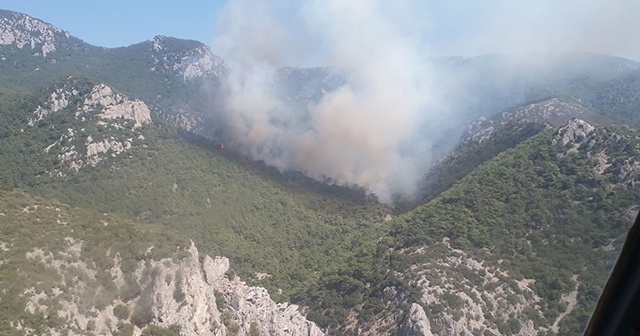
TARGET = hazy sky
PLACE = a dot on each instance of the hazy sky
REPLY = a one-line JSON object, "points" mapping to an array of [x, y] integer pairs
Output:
{"points": [[115, 23], [449, 27]]}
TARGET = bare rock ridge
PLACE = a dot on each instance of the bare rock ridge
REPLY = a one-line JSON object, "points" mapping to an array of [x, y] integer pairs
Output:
{"points": [[195, 62], [575, 133], [581, 137], [24, 31], [196, 297], [417, 324], [242, 309], [547, 113], [110, 123], [115, 106]]}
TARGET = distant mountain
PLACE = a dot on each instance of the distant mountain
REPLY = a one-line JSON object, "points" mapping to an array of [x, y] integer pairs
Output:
{"points": [[618, 97], [57, 51], [497, 82], [35, 36], [168, 73]]}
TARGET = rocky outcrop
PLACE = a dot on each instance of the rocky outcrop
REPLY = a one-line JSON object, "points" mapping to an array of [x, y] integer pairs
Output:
{"points": [[117, 117], [214, 304], [188, 59], [478, 131], [56, 101], [192, 294], [203, 64], [115, 106], [554, 111], [467, 297], [24, 32], [575, 133], [610, 153], [184, 119], [547, 113], [417, 324]]}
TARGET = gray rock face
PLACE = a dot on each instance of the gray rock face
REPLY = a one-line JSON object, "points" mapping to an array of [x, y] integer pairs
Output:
{"points": [[115, 106], [200, 310], [118, 118], [477, 309], [629, 172], [196, 297], [417, 323], [575, 132], [553, 112], [191, 63], [23, 31], [599, 145], [214, 269]]}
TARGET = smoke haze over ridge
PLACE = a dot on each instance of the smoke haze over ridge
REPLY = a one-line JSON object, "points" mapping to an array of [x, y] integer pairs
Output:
{"points": [[375, 131], [354, 134]]}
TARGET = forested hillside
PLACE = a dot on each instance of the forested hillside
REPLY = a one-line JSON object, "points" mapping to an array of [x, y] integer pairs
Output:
{"points": [[549, 210]]}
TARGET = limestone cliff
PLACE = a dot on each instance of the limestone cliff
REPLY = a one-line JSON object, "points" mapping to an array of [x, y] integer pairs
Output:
{"points": [[213, 303], [186, 59], [25, 32], [191, 294]]}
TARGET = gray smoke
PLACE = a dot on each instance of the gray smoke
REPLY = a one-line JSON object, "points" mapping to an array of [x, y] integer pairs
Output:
{"points": [[358, 134], [537, 27], [377, 131]]}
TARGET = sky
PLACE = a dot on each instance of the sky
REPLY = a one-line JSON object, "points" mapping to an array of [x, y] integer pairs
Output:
{"points": [[448, 27], [116, 23]]}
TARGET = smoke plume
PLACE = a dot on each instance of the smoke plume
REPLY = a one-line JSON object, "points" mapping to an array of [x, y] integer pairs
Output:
{"points": [[359, 134], [378, 129]]}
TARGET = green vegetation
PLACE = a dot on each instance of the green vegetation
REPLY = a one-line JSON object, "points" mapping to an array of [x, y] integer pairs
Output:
{"points": [[153, 330], [121, 311], [226, 207], [227, 320], [454, 167], [29, 225], [288, 226], [547, 215], [254, 330], [124, 329]]}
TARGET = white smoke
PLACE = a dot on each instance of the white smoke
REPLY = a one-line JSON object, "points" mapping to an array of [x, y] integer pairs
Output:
{"points": [[535, 27], [358, 134], [378, 130]]}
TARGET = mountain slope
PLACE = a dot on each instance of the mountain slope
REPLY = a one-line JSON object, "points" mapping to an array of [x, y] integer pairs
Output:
{"points": [[286, 226], [68, 270], [550, 213], [485, 138], [176, 78]]}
